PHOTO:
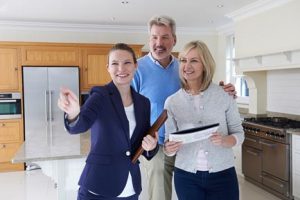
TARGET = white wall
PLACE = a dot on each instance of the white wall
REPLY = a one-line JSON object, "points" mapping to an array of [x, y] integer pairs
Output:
{"points": [[283, 91], [275, 30], [71, 36], [220, 58], [272, 31], [97, 36]]}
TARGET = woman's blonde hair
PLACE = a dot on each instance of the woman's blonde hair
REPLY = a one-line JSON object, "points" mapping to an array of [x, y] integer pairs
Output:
{"points": [[207, 60]]}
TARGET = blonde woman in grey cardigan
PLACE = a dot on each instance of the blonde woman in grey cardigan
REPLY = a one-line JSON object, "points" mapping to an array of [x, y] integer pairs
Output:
{"points": [[203, 169]]}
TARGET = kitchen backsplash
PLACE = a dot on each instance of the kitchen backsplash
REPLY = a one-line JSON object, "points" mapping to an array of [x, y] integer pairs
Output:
{"points": [[283, 91]]}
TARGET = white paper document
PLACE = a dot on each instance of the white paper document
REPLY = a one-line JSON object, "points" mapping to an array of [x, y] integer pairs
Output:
{"points": [[193, 134]]}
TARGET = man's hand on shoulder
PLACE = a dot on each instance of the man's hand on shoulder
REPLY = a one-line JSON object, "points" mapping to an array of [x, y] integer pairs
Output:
{"points": [[229, 88]]}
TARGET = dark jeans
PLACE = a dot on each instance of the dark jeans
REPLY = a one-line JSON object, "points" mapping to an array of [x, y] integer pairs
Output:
{"points": [[84, 194], [221, 185]]}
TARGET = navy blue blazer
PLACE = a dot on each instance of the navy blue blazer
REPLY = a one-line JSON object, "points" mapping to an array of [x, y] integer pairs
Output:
{"points": [[109, 161]]}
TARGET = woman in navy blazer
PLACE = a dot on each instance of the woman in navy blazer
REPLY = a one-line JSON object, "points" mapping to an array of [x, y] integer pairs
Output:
{"points": [[118, 118]]}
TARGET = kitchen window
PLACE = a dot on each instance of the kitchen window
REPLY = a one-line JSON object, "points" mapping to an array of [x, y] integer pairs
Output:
{"points": [[238, 80]]}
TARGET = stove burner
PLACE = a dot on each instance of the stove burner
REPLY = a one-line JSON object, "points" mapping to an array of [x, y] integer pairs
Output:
{"points": [[276, 122]]}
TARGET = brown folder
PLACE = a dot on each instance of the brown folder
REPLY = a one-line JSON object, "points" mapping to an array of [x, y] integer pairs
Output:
{"points": [[157, 124]]}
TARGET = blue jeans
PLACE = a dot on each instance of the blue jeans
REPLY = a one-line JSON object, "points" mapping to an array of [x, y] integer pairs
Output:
{"points": [[203, 185], [84, 194]]}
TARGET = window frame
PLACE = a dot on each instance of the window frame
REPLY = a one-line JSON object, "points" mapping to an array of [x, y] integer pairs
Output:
{"points": [[231, 75]]}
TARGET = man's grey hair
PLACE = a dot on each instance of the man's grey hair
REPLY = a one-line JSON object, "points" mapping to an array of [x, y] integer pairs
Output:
{"points": [[162, 20]]}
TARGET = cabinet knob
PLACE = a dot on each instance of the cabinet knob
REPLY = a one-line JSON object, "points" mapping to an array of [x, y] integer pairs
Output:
{"points": [[2, 124], [16, 68], [85, 69], [3, 146]]}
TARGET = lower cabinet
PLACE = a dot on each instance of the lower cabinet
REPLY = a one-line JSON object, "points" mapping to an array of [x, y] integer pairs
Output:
{"points": [[296, 165], [11, 138]]}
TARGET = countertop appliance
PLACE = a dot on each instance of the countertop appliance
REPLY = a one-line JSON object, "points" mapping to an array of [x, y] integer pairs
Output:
{"points": [[41, 87], [10, 105], [266, 154]]}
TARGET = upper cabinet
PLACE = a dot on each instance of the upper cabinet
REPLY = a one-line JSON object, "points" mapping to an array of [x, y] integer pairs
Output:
{"points": [[94, 65], [93, 70], [10, 70], [50, 56], [91, 59]]}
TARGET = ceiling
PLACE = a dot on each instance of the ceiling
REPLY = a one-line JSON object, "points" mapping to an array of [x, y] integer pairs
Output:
{"points": [[190, 14]]}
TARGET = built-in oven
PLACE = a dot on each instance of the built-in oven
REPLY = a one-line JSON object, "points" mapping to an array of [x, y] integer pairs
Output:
{"points": [[10, 105]]}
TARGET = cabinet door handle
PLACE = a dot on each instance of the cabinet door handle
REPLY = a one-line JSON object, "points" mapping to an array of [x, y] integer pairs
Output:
{"points": [[252, 153], [16, 68], [267, 144], [250, 139], [85, 69]]}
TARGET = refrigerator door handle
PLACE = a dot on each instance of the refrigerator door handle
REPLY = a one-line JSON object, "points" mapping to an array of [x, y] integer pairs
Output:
{"points": [[51, 116], [46, 106], [50, 105]]}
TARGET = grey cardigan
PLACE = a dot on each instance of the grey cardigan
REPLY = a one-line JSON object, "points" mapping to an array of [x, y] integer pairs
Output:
{"points": [[211, 106]]}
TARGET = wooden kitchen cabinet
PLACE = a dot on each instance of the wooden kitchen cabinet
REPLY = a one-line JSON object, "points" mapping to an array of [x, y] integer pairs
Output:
{"points": [[46, 55], [93, 70], [11, 137], [10, 70]]}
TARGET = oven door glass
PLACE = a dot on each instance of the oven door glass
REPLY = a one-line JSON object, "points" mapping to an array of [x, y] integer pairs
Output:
{"points": [[9, 108]]}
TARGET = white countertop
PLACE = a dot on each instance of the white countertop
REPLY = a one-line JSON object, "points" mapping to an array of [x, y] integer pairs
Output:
{"points": [[60, 146]]}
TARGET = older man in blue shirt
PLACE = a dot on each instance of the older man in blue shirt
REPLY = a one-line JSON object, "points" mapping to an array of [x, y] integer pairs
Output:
{"points": [[157, 77]]}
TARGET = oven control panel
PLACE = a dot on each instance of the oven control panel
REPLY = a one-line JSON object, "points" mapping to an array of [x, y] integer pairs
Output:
{"points": [[278, 135]]}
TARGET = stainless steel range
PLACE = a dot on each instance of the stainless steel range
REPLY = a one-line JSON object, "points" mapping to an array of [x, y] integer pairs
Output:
{"points": [[266, 154]]}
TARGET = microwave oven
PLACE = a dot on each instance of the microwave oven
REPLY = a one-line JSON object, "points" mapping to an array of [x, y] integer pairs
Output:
{"points": [[10, 105]]}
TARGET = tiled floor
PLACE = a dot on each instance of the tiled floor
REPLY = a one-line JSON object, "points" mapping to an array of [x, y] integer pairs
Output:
{"points": [[33, 185]]}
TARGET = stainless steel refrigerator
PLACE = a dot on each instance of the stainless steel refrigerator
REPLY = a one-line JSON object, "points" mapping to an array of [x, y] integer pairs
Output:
{"points": [[43, 119]]}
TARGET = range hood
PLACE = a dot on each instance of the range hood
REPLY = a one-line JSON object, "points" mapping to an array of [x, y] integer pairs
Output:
{"points": [[273, 61], [255, 69]]}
